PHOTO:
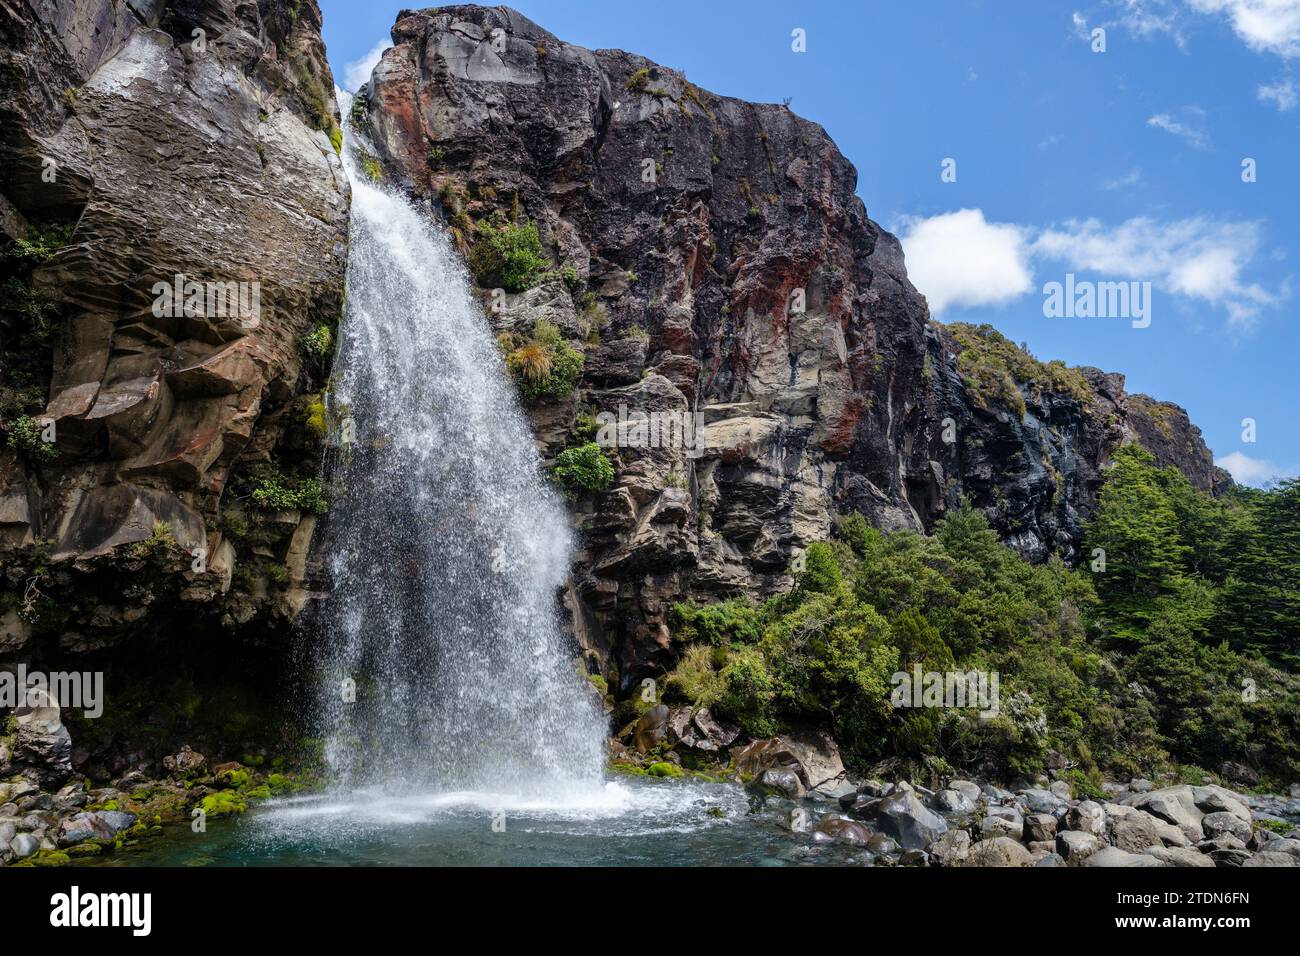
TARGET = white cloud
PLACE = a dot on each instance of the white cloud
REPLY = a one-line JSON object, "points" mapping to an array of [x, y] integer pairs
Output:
{"points": [[357, 73], [1146, 18], [959, 259], [1266, 26], [1283, 93], [1189, 125], [1197, 258], [1254, 471]]}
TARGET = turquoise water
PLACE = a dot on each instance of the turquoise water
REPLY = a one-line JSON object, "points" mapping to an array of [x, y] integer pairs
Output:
{"points": [[627, 823]]}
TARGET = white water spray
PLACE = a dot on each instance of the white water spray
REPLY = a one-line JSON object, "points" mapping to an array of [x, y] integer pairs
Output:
{"points": [[446, 545]]}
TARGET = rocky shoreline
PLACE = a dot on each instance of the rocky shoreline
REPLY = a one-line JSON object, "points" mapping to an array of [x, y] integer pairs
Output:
{"points": [[52, 816], [956, 822]]}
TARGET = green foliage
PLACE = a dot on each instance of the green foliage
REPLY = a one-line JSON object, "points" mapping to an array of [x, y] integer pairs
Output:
{"points": [[507, 256], [23, 434], [584, 469], [318, 342], [1124, 681], [994, 369], [544, 366], [273, 490]]}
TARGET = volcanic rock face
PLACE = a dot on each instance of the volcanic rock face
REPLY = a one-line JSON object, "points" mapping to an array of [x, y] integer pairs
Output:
{"points": [[729, 272], [179, 142]]}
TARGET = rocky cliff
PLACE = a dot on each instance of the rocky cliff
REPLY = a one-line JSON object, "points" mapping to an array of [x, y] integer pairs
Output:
{"points": [[711, 258], [178, 216]]}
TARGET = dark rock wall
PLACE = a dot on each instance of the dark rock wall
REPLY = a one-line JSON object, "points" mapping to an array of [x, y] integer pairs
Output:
{"points": [[189, 137], [691, 220]]}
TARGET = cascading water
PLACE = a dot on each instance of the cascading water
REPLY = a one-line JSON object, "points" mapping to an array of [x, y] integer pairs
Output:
{"points": [[446, 545]]}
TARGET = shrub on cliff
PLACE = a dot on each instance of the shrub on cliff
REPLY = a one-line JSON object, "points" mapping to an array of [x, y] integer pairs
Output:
{"points": [[507, 256], [584, 469], [544, 366]]}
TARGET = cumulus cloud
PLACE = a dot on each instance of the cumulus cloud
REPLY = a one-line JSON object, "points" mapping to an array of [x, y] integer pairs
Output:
{"points": [[1266, 26], [1254, 471], [357, 73], [1188, 125], [960, 259]]}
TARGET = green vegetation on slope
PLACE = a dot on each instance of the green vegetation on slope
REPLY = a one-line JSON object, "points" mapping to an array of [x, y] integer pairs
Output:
{"points": [[1128, 670]]}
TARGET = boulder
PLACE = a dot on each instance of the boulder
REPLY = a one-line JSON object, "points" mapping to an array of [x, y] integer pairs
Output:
{"points": [[1114, 856], [1176, 805], [1214, 799], [185, 763], [903, 816], [999, 851], [1075, 846], [952, 802], [1042, 801], [1133, 830], [951, 848], [1238, 773], [838, 830], [1040, 827], [993, 826], [881, 844], [652, 728], [1049, 860], [24, 845], [971, 791], [100, 825], [1179, 856], [780, 782], [1271, 858], [1230, 857], [1087, 816], [42, 745], [1222, 823]]}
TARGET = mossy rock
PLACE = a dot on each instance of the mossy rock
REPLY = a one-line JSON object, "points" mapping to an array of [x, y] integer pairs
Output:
{"points": [[50, 858], [85, 849], [237, 778], [664, 769], [224, 804]]}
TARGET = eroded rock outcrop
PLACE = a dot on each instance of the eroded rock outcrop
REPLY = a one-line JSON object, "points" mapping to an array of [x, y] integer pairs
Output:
{"points": [[718, 263], [185, 155]]}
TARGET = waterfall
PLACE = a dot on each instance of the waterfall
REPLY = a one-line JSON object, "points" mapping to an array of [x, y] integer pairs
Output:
{"points": [[445, 543]]}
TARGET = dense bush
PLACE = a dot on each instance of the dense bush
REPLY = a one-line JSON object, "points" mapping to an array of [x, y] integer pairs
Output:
{"points": [[1175, 654], [544, 366], [584, 469], [507, 256]]}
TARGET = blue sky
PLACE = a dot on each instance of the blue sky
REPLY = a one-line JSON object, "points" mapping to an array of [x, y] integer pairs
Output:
{"points": [[1122, 165]]}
